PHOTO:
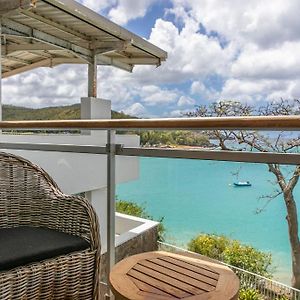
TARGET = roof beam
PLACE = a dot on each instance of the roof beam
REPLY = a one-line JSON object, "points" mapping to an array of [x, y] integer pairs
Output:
{"points": [[102, 51], [141, 61], [106, 61], [44, 54], [16, 29], [6, 68], [118, 45], [11, 48], [43, 63], [7, 6], [37, 49], [101, 48], [56, 25], [19, 60], [63, 60]]}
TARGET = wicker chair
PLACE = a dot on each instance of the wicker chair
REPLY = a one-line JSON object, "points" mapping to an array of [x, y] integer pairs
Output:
{"points": [[29, 198]]}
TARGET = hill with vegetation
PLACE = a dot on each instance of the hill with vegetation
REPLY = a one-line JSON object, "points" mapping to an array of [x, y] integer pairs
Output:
{"points": [[72, 112]]}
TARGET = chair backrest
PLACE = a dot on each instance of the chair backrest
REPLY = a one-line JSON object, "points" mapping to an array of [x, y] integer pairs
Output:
{"points": [[20, 172], [29, 196]]}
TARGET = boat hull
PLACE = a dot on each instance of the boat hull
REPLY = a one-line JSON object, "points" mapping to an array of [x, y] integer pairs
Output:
{"points": [[241, 184]]}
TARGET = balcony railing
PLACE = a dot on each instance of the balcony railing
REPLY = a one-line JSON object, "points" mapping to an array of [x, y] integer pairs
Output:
{"points": [[268, 289], [111, 150]]}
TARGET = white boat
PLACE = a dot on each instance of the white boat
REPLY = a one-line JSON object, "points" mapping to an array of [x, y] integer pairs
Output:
{"points": [[242, 183]]}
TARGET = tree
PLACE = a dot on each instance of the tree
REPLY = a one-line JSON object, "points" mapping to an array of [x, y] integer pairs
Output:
{"points": [[232, 252], [178, 137], [255, 141]]}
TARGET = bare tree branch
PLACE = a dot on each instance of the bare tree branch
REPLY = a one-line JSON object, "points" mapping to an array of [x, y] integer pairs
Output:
{"points": [[269, 198]]}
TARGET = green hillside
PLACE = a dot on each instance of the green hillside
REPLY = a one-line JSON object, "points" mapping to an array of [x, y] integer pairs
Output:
{"points": [[13, 113], [148, 138]]}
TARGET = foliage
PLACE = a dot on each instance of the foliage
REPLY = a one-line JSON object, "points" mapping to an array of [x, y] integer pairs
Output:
{"points": [[134, 209], [209, 245], [178, 137], [249, 294], [232, 252], [131, 208], [252, 294], [248, 258], [282, 298]]}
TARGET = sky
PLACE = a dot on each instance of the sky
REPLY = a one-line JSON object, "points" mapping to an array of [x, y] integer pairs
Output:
{"points": [[217, 50]]}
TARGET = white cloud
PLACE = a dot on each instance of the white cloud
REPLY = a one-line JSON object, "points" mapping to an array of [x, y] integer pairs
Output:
{"points": [[255, 90], [120, 11], [127, 10], [197, 87], [153, 95], [281, 62], [206, 93], [46, 87], [190, 54], [177, 113], [98, 5], [260, 22], [264, 38], [185, 101], [65, 85], [136, 109]]}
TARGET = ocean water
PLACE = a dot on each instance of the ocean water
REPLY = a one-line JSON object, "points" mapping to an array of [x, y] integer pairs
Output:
{"points": [[197, 196]]}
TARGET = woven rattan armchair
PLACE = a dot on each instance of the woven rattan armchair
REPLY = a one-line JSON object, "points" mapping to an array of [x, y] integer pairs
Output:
{"points": [[31, 200]]}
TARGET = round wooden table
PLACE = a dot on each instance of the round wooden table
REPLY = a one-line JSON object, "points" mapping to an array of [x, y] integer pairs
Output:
{"points": [[164, 276]]}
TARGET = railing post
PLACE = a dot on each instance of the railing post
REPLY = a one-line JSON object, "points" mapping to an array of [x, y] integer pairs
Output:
{"points": [[1, 69], [111, 205]]}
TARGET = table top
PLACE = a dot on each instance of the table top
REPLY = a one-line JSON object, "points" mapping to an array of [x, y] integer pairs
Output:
{"points": [[164, 276]]}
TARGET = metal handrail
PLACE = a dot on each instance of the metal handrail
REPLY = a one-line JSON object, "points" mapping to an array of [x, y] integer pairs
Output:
{"points": [[222, 123], [202, 154]]}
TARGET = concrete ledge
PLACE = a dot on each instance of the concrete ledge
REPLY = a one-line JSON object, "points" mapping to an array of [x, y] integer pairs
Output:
{"points": [[142, 238]]}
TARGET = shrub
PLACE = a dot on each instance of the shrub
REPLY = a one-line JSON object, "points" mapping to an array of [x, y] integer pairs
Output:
{"points": [[249, 294], [248, 258], [209, 245], [252, 294], [232, 252], [134, 209], [283, 298], [131, 208]]}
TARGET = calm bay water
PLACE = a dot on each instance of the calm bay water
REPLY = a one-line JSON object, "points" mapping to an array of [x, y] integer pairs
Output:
{"points": [[197, 196]]}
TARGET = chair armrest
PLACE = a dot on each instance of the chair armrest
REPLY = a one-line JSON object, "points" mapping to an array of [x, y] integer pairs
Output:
{"points": [[74, 215]]}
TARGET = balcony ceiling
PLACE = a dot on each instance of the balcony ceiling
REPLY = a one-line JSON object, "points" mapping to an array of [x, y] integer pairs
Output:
{"points": [[47, 33]]}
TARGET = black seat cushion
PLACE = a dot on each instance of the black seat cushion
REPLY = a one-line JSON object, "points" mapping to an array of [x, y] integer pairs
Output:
{"points": [[23, 245]]}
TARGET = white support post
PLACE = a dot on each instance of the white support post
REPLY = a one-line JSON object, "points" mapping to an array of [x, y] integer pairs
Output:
{"points": [[111, 204], [92, 77]]}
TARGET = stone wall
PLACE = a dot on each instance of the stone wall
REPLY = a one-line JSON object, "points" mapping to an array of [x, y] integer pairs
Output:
{"points": [[144, 242]]}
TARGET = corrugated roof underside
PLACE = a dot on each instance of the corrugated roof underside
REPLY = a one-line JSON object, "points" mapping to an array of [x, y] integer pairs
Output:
{"points": [[46, 35]]}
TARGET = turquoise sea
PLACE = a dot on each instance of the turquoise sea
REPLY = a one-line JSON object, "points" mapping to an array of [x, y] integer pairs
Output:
{"points": [[197, 196]]}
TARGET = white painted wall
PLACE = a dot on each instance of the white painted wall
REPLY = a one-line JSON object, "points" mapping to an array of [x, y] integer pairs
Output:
{"points": [[77, 172]]}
